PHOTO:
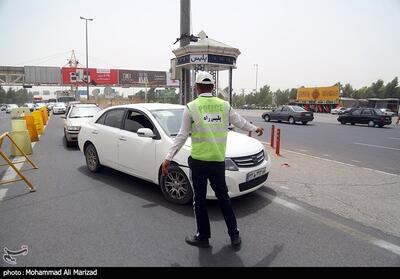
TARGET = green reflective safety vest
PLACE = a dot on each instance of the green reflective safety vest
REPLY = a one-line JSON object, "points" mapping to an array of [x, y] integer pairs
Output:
{"points": [[210, 122]]}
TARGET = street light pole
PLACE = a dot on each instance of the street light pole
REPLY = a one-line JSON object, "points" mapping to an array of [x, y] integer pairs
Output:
{"points": [[256, 65], [87, 56]]}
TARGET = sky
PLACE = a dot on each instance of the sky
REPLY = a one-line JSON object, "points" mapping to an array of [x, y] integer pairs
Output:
{"points": [[294, 42]]}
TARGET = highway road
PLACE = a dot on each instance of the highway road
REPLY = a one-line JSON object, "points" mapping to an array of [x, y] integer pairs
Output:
{"points": [[375, 148], [77, 218]]}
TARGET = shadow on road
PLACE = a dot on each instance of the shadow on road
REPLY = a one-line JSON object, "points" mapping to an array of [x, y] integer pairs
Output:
{"points": [[243, 206], [227, 256]]}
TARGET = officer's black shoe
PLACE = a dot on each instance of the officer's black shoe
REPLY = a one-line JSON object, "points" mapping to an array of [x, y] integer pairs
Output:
{"points": [[236, 240], [196, 241]]}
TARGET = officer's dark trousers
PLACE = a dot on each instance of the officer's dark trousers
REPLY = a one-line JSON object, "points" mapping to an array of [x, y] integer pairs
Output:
{"points": [[201, 172]]}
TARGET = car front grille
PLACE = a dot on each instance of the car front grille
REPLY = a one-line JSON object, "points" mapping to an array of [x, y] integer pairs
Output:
{"points": [[249, 161]]}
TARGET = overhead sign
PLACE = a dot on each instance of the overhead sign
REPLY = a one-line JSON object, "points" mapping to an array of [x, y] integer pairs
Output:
{"points": [[206, 59], [143, 78], [78, 76], [318, 94]]}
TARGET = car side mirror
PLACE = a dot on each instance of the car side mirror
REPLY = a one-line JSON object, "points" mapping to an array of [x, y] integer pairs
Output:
{"points": [[145, 133]]}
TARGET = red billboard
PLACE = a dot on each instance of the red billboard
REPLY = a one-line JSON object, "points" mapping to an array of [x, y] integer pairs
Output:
{"points": [[78, 76]]}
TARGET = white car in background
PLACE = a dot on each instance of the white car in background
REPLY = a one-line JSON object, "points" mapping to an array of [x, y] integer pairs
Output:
{"points": [[135, 139], [339, 110], [76, 116], [59, 108], [10, 107], [387, 112]]}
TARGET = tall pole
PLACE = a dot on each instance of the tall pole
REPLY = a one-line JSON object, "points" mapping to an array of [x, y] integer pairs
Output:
{"points": [[87, 63], [185, 40], [87, 56], [256, 65]]}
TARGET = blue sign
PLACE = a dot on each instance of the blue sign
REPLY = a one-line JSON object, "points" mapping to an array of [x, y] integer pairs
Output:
{"points": [[206, 59], [220, 59]]}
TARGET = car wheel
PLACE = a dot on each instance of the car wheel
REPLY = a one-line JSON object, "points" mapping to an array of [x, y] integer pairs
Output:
{"points": [[291, 120], [92, 158], [371, 124], [304, 122], [267, 118], [176, 186], [343, 122], [353, 124], [381, 126], [67, 142]]}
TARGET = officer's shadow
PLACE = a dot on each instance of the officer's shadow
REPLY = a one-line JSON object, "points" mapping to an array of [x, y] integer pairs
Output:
{"points": [[228, 256]]}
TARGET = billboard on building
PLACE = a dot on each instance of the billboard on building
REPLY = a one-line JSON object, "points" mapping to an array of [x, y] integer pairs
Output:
{"points": [[142, 78], [318, 94], [78, 76], [42, 75]]}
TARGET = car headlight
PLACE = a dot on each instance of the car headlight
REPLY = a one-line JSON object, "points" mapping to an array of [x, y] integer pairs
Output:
{"points": [[230, 165], [73, 128], [266, 155]]}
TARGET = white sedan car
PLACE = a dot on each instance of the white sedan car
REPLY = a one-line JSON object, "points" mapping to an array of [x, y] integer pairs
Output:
{"points": [[75, 117], [59, 108], [339, 110], [387, 112], [135, 139]]}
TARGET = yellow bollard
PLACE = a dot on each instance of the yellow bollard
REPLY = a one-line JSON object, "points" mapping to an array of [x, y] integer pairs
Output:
{"points": [[38, 121], [22, 139], [30, 124]]}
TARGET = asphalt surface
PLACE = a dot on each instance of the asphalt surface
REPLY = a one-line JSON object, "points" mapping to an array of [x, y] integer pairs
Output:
{"points": [[77, 218], [375, 148]]}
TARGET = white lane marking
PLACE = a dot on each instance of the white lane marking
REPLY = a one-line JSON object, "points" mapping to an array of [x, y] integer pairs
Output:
{"points": [[388, 246], [283, 187], [3, 193], [355, 161], [376, 146], [346, 229], [327, 155]]}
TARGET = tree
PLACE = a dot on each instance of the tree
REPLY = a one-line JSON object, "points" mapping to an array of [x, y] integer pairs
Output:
{"points": [[347, 91], [293, 94], [392, 89], [3, 95], [282, 97]]}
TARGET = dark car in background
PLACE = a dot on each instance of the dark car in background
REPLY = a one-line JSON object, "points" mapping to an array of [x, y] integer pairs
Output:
{"points": [[370, 116], [291, 114]]}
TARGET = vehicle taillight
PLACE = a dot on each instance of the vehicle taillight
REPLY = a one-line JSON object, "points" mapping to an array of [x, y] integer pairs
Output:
{"points": [[302, 114]]}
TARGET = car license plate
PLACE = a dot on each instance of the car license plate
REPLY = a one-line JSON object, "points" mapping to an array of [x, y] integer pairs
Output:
{"points": [[255, 174]]}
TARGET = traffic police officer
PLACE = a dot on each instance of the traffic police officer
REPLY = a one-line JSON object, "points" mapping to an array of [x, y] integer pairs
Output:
{"points": [[207, 119]]}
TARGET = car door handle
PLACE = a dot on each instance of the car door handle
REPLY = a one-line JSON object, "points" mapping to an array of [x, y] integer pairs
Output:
{"points": [[123, 139], [95, 132]]}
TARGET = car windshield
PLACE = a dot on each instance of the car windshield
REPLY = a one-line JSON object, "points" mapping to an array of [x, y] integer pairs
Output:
{"points": [[83, 112], [61, 105], [169, 120], [297, 108]]}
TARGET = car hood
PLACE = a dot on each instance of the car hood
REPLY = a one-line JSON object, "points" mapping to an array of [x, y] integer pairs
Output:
{"points": [[238, 145], [78, 121]]}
